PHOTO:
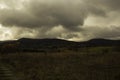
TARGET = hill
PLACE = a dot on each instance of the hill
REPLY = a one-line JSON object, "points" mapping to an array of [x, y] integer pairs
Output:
{"points": [[42, 45]]}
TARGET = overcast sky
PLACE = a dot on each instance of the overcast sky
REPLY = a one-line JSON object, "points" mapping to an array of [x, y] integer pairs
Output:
{"points": [[76, 20]]}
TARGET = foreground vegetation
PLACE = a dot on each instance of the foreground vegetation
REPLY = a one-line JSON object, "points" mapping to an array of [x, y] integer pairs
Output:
{"points": [[95, 63]]}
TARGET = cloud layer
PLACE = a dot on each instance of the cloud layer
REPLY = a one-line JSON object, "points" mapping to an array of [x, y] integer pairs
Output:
{"points": [[67, 19], [41, 13]]}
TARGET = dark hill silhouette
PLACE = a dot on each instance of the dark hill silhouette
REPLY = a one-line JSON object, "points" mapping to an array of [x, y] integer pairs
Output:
{"points": [[43, 41], [101, 42], [40, 45], [57, 42]]}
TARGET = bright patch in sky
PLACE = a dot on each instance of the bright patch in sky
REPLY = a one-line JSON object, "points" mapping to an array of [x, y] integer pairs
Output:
{"points": [[5, 33], [2, 6]]}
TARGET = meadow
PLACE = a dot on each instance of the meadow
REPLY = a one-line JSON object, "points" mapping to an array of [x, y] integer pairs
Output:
{"points": [[93, 63]]}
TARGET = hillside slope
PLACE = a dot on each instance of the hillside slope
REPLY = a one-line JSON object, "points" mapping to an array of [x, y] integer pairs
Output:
{"points": [[41, 45]]}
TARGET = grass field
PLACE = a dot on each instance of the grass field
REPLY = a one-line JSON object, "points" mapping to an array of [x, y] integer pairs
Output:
{"points": [[87, 64]]}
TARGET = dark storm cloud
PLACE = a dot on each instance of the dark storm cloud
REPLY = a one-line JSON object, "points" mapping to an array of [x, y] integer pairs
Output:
{"points": [[50, 13], [36, 13]]}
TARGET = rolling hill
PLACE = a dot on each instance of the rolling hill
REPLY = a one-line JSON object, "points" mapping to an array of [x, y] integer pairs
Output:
{"points": [[41, 45]]}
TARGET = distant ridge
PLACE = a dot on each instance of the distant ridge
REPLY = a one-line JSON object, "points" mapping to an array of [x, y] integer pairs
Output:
{"points": [[103, 42], [98, 41], [44, 39], [28, 44]]}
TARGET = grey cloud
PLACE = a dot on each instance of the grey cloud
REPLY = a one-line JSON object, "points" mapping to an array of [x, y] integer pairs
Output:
{"points": [[105, 4], [86, 33], [111, 32], [42, 18], [50, 13], [44, 13]]}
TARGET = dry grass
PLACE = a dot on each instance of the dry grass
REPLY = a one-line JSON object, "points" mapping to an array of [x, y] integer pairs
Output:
{"points": [[65, 65]]}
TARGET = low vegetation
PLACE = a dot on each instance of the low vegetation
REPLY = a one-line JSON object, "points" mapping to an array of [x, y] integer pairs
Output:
{"points": [[87, 63]]}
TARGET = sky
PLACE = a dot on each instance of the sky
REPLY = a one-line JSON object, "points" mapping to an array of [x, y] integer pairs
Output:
{"points": [[76, 20]]}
